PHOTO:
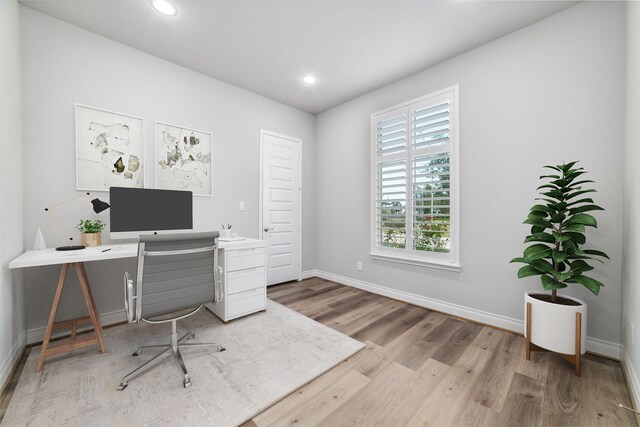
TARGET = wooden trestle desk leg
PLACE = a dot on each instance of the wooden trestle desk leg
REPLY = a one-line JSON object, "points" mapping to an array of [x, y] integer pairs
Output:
{"points": [[93, 317]]}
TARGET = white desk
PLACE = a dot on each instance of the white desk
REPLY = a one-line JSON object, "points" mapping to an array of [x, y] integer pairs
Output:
{"points": [[72, 260], [75, 260]]}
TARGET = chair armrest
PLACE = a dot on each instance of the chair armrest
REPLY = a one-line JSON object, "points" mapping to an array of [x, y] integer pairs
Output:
{"points": [[129, 298]]}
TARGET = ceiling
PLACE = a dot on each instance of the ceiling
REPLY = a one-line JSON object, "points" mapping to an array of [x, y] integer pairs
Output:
{"points": [[266, 46]]}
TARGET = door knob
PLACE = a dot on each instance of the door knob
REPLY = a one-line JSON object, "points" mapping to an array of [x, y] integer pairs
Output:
{"points": [[268, 229]]}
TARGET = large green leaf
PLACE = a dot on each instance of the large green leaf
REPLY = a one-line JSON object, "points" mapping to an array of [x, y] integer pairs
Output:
{"points": [[592, 284], [541, 208], [517, 259], [558, 256], [550, 176], [597, 253], [579, 192], [565, 167], [577, 228], [556, 194], [542, 265], [578, 238], [527, 271], [539, 237], [555, 168], [557, 237], [536, 251], [585, 208], [536, 220], [550, 284], [577, 202], [538, 229], [583, 218], [552, 186]]}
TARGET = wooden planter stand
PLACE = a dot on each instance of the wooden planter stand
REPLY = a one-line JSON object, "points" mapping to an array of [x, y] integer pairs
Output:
{"points": [[572, 358]]}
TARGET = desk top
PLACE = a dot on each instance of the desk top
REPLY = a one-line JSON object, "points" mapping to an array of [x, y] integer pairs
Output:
{"points": [[41, 257]]}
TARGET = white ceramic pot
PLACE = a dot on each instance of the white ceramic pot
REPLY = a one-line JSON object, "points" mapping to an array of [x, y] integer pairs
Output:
{"points": [[553, 326]]}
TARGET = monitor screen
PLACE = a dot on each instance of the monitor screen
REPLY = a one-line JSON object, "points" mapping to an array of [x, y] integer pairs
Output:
{"points": [[135, 211]]}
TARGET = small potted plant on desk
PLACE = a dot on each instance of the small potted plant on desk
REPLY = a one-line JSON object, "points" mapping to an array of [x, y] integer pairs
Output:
{"points": [[91, 232], [555, 322]]}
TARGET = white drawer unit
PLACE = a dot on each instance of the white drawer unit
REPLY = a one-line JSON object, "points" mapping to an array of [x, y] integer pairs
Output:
{"points": [[243, 279]]}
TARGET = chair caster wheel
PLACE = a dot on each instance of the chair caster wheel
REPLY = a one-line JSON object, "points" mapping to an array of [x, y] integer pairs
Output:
{"points": [[136, 353], [122, 386], [186, 383], [192, 336], [222, 349]]}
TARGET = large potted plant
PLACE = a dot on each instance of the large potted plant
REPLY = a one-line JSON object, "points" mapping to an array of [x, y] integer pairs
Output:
{"points": [[558, 222]]}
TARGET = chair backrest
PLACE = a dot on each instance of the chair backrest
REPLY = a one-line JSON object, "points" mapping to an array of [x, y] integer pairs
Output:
{"points": [[175, 272]]}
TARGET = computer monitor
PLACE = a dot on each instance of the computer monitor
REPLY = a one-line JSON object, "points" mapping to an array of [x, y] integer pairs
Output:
{"points": [[136, 211]]}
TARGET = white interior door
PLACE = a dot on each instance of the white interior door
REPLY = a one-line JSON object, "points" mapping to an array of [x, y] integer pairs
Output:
{"points": [[281, 208]]}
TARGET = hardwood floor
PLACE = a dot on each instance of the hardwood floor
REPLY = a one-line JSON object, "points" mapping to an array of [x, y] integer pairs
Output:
{"points": [[422, 368]]}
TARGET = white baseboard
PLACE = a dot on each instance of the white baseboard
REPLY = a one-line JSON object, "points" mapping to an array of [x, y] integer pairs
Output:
{"points": [[8, 363], [632, 379], [35, 335], [594, 345], [308, 274]]}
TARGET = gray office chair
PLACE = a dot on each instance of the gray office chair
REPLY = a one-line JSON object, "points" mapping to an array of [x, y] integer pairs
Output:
{"points": [[176, 272]]}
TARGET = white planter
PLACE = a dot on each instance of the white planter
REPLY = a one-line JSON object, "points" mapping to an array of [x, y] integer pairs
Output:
{"points": [[553, 326]]}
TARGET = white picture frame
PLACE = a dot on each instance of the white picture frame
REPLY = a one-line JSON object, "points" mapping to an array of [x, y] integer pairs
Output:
{"points": [[183, 159], [109, 149]]}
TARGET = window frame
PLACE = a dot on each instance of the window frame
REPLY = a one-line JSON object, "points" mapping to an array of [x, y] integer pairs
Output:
{"points": [[408, 255]]}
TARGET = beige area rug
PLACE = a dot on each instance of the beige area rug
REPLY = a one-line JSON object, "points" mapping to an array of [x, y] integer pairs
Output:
{"points": [[268, 356]]}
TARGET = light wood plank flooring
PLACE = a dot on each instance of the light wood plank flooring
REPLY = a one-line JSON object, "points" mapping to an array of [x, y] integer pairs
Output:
{"points": [[423, 368]]}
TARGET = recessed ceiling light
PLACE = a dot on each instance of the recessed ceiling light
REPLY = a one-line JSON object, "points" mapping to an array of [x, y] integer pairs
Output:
{"points": [[164, 7], [309, 79]]}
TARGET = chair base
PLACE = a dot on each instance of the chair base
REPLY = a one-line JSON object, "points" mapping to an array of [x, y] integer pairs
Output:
{"points": [[172, 348]]}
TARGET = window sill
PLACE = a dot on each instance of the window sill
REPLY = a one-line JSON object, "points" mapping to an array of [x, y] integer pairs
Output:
{"points": [[417, 261]]}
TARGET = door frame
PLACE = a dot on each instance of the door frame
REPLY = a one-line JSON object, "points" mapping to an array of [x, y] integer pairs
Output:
{"points": [[298, 141]]}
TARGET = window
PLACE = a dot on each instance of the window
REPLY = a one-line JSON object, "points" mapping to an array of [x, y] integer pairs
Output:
{"points": [[414, 185]]}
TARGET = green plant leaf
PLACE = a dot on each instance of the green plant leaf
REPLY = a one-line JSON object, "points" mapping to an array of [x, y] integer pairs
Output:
{"points": [[536, 220], [537, 251], [597, 253], [585, 208], [552, 186], [539, 237], [579, 192], [550, 176], [550, 284], [517, 259], [567, 166], [577, 238], [541, 208], [583, 218], [556, 194], [537, 229], [592, 284], [542, 265], [557, 218], [555, 168], [578, 228], [557, 237], [527, 271], [558, 256], [576, 202]]}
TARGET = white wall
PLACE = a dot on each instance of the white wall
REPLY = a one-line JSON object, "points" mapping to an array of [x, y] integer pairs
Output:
{"points": [[64, 65], [548, 93], [12, 313], [631, 213]]}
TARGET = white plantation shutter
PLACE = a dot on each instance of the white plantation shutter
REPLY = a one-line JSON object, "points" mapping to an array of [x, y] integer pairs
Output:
{"points": [[414, 188]]}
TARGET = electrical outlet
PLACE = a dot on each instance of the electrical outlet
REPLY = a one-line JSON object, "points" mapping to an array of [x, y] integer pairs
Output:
{"points": [[241, 207], [359, 266]]}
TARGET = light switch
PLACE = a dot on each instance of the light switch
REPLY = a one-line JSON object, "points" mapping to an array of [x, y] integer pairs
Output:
{"points": [[241, 207]]}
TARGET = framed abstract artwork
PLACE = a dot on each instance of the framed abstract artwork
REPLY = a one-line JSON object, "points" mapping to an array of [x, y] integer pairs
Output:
{"points": [[183, 159], [109, 149]]}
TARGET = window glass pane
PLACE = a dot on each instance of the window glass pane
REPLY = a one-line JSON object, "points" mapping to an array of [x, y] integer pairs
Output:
{"points": [[391, 204], [432, 203], [431, 126], [392, 135]]}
